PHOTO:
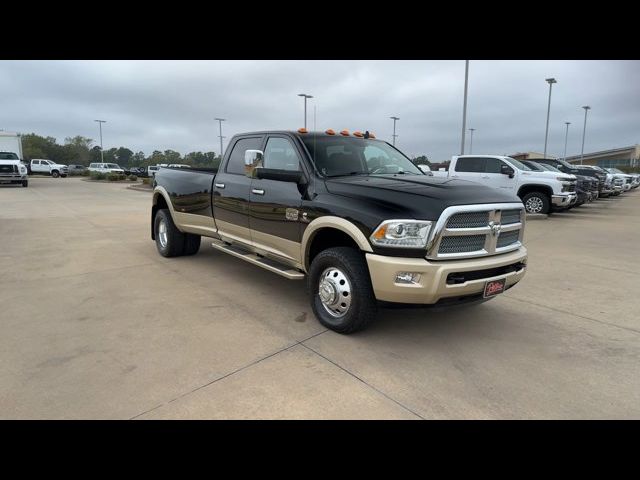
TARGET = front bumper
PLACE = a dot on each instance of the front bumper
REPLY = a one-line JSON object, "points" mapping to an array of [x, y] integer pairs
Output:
{"points": [[13, 178], [433, 284], [563, 199]]}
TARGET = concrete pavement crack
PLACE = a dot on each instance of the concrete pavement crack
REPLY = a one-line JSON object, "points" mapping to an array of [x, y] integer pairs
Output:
{"points": [[363, 381], [573, 314], [222, 377]]}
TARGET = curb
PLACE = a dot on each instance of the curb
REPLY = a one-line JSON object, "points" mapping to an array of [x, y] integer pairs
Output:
{"points": [[537, 216], [139, 188]]}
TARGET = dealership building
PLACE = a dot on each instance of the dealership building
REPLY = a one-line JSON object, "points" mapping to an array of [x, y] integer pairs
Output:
{"points": [[616, 157]]}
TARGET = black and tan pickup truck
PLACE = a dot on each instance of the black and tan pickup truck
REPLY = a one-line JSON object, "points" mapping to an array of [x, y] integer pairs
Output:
{"points": [[349, 213]]}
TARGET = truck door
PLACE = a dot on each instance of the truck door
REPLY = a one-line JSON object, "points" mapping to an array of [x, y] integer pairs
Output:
{"points": [[231, 192], [35, 165], [274, 206], [493, 177], [468, 168]]}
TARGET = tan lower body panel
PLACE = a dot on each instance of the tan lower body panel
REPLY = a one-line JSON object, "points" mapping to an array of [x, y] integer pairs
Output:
{"points": [[198, 224], [433, 276], [280, 249]]}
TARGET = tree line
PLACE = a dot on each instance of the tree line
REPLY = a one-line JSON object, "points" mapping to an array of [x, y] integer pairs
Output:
{"points": [[81, 150]]}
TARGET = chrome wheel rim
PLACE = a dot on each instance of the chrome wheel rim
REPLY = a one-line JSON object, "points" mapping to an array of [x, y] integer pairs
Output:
{"points": [[334, 291], [534, 205], [162, 233]]}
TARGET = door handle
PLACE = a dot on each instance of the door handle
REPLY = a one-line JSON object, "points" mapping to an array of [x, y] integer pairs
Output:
{"points": [[257, 191], [485, 176], [219, 185]]}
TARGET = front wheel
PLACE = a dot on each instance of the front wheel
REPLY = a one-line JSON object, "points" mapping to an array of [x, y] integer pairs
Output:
{"points": [[25, 183], [340, 290], [55, 174], [536, 202]]}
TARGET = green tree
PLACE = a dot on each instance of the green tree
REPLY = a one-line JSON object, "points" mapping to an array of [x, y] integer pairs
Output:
{"points": [[421, 160], [124, 156]]}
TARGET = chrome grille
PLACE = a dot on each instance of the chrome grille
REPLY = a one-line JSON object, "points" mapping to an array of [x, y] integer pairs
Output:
{"points": [[468, 220], [507, 238], [468, 243], [476, 230]]}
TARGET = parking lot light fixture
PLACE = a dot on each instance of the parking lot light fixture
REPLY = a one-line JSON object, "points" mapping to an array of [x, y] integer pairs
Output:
{"points": [[395, 119], [471, 142], [464, 106], [584, 131], [566, 137], [550, 81], [220, 120], [100, 122], [305, 107]]}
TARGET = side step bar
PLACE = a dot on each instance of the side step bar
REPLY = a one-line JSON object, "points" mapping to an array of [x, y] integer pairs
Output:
{"points": [[263, 262]]}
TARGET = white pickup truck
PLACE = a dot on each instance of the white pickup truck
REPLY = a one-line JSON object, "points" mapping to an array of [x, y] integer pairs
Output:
{"points": [[539, 191], [48, 167], [12, 170]]}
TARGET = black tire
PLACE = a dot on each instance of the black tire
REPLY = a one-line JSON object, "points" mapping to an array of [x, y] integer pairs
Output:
{"points": [[538, 202], [55, 174], [25, 183], [63, 175], [174, 246], [191, 244], [363, 307]]}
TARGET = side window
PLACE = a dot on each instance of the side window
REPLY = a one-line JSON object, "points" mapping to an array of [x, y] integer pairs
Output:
{"points": [[36, 162], [493, 165], [236, 159], [470, 164], [281, 154]]}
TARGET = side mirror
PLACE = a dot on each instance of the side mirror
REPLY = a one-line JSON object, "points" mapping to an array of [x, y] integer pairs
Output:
{"points": [[252, 160], [293, 176], [507, 170]]}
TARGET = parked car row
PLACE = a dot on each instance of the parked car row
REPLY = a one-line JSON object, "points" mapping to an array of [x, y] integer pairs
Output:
{"points": [[543, 184]]}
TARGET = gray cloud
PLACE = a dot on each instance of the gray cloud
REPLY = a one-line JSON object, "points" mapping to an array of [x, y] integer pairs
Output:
{"points": [[171, 104]]}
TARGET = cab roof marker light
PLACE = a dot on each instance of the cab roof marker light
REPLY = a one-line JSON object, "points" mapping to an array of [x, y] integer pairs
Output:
{"points": [[345, 133], [330, 132], [302, 130], [358, 134]]}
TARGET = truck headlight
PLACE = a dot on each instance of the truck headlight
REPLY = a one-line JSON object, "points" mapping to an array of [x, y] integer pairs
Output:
{"points": [[401, 233]]}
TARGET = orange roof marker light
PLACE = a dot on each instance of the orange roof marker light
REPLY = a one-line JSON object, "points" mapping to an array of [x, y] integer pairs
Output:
{"points": [[369, 134], [358, 134], [345, 133], [330, 132], [302, 130]]}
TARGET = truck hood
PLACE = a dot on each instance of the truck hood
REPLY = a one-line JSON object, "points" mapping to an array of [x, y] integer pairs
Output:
{"points": [[547, 175], [416, 196]]}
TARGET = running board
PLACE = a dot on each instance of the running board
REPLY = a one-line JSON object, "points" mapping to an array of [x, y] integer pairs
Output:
{"points": [[263, 262]]}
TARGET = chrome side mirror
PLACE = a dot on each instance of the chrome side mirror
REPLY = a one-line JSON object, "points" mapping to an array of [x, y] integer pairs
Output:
{"points": [[252, 159]]}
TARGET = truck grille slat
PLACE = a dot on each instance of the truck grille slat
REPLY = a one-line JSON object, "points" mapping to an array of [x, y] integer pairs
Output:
{"points": [[466, 243], [468, 220], [510, 216], [507, 238]]}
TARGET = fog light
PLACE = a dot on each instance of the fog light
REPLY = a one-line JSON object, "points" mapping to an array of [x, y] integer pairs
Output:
{"points": [[407, 277]]}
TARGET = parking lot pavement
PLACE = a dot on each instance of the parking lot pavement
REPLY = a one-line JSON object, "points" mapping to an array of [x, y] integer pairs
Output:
{"points": [[95, 324]]}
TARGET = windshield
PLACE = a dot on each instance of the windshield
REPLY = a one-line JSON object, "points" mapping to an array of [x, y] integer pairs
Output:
{"points": [[549, 168], [337, 156], [615, 170], [519, 165], [8, 156], [534, 166]]}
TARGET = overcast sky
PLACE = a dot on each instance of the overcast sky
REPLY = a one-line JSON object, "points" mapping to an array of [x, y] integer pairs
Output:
{"points": [[172, 104]]}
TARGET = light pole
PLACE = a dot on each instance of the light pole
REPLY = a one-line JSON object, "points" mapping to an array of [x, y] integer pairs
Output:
{"points": [[220, 120], [464, 107], [395, 119], [471, 146], [584, 130], [550, 81], [566, 137], [100, 122], [305, 106]]}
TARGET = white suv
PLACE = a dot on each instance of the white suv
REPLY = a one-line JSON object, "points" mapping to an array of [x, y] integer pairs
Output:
{"points": [[106, 168]]}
